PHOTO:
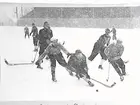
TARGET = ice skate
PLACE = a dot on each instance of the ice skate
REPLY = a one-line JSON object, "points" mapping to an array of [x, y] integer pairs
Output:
{"points": [[90, 84], [78, 76], [100, 67], [124, 73], [70, 73], [121, 78], [39, 67], [54, 79], [35, 50]]}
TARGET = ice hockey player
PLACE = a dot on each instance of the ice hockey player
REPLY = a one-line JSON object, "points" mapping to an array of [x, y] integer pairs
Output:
{"points": [[53, 51], [26, 31], [114, 52], [77, 63], [114, 33], [99, 47], [34, 33], [45, 35]]}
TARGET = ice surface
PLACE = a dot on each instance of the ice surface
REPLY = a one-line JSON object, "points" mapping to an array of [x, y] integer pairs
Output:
{"points": [[29, 83]]}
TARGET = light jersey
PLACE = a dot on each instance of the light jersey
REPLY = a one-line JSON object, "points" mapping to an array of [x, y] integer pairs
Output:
{"points": [[114, 50], [55, 48]]}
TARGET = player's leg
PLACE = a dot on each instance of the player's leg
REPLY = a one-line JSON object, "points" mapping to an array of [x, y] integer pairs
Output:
{"points": [[61, 60], [28, 34], [121, 64], [35, 43], [53, 66], [94, 52], [41, 49], [25, 35], [103, 57], [114, 37], [40, 59], [115, 65]]}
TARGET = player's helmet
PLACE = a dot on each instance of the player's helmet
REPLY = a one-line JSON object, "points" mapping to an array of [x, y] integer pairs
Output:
{"points": [[33, 24], [107, 30], [46, 24], [78, 51]]}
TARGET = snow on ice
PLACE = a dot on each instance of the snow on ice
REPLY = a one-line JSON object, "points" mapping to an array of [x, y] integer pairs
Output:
{"points": [[29, 83]]}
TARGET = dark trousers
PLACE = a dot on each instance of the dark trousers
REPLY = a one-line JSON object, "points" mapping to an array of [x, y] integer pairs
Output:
{"points": [[59, 58], [27, 34], [114, 37], [96, 50], [35, 40], [42, 48], [119, 66]]}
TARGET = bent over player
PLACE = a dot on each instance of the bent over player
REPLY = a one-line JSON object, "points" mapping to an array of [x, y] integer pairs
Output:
{"points": [[114, 52], [77, 63], [54, 53]]}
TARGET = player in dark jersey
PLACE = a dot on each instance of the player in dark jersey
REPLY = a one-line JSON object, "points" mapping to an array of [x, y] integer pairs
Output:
{"points": [[45, 34], [34, 33], [99, 47], [77, 63], [26, 31], [114, 33]]}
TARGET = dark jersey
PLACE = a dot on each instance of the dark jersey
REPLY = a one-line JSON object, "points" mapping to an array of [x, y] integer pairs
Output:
{"points": [[45, 34], [104, 39], [78, 60], [26, 29], [34, 31], [114, 31]]}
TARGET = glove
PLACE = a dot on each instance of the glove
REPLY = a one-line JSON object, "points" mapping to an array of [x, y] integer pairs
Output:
{"points": [[69, 54]]}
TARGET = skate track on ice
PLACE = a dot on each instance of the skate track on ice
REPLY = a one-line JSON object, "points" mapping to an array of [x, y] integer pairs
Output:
{"points": [[28, 83]]}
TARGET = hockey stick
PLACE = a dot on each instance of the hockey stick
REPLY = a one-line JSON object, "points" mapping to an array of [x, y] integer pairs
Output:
{"points": [[108, 73], [15, 64], [35, 57], [126, 61], [36, 52], [108, 86]]}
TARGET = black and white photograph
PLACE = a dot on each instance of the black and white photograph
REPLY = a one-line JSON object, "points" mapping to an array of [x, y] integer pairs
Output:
{"points": [[69, 52]]}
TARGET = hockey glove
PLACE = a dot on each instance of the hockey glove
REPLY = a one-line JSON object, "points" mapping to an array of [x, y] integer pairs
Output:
{"points": [[69, 54]]}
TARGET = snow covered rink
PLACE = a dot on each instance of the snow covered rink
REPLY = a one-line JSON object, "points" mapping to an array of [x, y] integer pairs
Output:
{"points": [[27, 83]]}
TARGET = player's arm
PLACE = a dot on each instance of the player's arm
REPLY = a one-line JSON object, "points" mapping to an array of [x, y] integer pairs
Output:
{"points": [[36, 30], [84, 63], [39, 35], [64, 50], [108, 41], [31, 31], [51, 34]]}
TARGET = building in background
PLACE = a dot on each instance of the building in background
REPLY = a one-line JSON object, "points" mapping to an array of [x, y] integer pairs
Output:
{"points": [[83, 16]]}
